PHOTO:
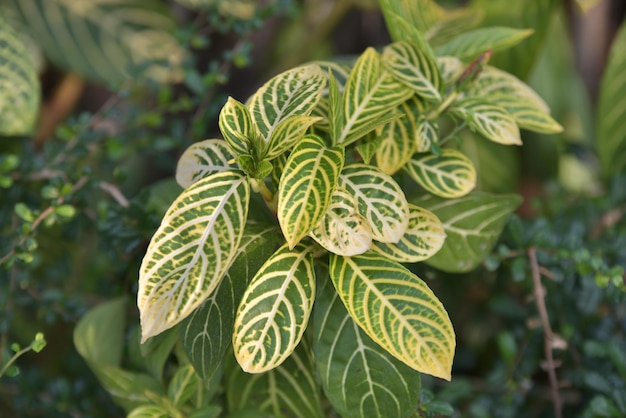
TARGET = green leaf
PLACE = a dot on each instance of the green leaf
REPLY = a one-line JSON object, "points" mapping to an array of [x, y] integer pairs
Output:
{"points": [[452, 24], [397, 310], [369, 93], [611, 116], [20, 92], [289, 390], [183, 385], [472, 224], [405, 23], [451, 68], [207, 333], [450, 174], [104, 40], [306, 186], [358, 376], [527, 115], [287, 133], [490, 121], [427, 134], [338, 74], [236, 125], [293, 92], [379, 200], [473, 43], [368, 146], [155, 352], [203, 159], [149, 411], [342, 230], [423, 238], [192, 250], [415, 69], [275, 309]]}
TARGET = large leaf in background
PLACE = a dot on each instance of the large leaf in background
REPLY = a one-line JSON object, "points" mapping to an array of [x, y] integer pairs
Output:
{"points": [[275, 309], [472, 223], [306, 186], [290, 390], [611, 132], [207, 333], [380, 200], [369, 94], [359, 377], [490, 121], [397, 310], [469, 45], [106, 40], [191, 250], [19, 85], [414, 68], [203, 159]]}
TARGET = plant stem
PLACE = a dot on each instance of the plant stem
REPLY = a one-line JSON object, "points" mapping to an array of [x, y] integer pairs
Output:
{"points": [[259, 186], [14, 358]]}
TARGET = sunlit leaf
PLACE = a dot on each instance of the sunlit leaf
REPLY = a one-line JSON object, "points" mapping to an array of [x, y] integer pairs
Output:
{"points": [[203, 159], [237, 127], [191, 250], [275, 309], [490, 121], [472, 43], [397, 310], [450, 174], [414, 68], [287, 133]]}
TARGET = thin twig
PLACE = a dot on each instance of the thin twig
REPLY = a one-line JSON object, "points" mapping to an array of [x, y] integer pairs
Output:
{"points": [[547, 331], [115, 193]]}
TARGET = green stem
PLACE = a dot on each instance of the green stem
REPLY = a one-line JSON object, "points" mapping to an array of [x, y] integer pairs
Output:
{"points": [[443, 106], [258, 186]]}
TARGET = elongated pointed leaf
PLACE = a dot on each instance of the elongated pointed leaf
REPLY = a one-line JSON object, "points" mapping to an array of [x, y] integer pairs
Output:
{"points": [[237, 127], [275, 310], [415, 69], [450, 174], [183, 385], [369, 93], [423, 238], [342, 230], [192, 250], [287, 133], [397, 310], [289, 390], [490, 121], [527, 115], [379, 200], [203, 159], [473, 43], [149, 411], [19, 85], [452, 24], [307, 183], [207, 333], [293, 92], [472, 223], [359, 377], [336, 73]]}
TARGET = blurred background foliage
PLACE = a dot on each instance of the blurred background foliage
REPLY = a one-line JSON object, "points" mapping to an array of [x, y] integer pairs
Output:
{"points": [[126, 85]]}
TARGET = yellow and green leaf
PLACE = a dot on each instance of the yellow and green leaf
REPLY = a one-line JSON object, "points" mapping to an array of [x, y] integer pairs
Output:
{"points": [[306, 186], [203, 159], [451, 68], [397, 310], [287, 133], [449, 174], [191, 250], [489, 120], [235, 123], [415, 69], [472, 43], [427, 134], [275, 309], [526, 114]]}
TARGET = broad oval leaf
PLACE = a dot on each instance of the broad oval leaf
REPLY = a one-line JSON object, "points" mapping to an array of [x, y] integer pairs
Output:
{"points": [[423, 238], [237, 127], [19, 85], [207, 333], [450, 174], [369, 93], [342, 230], [203, 159], [415, 69], [293, 92], [472, 43], [527, 115], [306, 185], [275, 309], [359, 377], [287, 133], [490, 121], [380, 200], [472, 223], [191, 250], [397, 310]]}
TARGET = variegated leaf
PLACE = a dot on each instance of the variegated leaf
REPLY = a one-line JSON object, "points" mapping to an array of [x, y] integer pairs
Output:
{"points": [[397, 310], [380, 200], [472, 223], [203, 159], [368, 146], [293, 92], [342, 230], [405, 24], [415, 69], [359, 377], [191, 250], [207, 333], [149, 411], [423, 238], [287, 133], [339, 73], [427, 134], [236, 125], [526, 114], [490, 121], [369, 93], [183, 385], [451, 69], [19, 85], [453, 23], [473, 43], [306, 185], [275, 309], [450, 174], [289, 390]]}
